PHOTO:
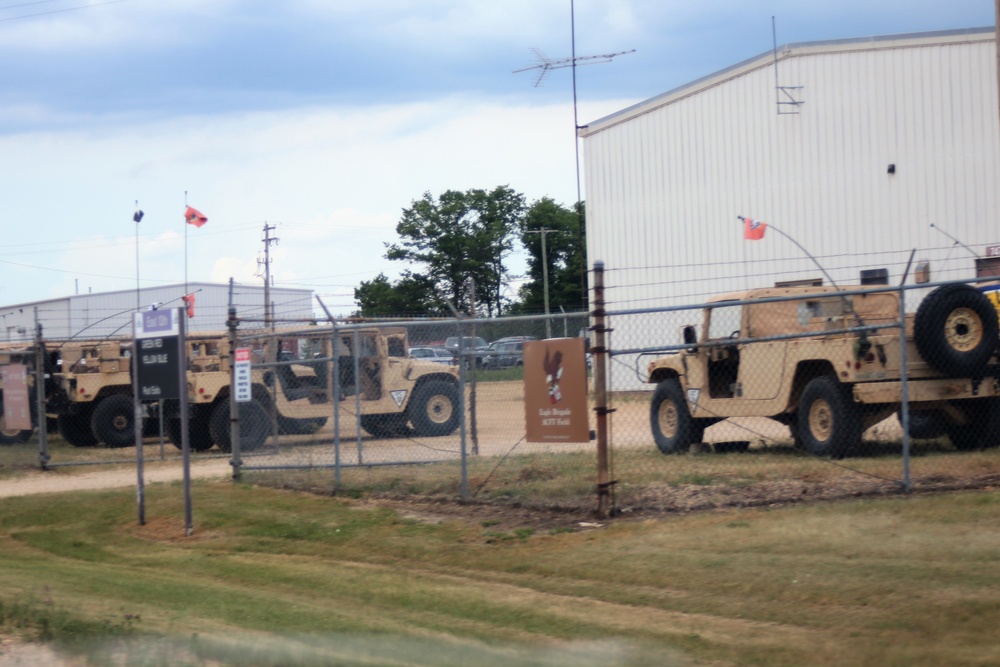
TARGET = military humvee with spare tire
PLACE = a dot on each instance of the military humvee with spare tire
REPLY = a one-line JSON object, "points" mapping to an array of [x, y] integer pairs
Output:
{"points": [[793, 361]]}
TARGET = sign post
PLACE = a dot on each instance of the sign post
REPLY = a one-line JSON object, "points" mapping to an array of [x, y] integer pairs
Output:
{"points": [[161, 373]]}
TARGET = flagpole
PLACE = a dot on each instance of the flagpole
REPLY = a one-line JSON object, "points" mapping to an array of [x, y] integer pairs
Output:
{"points": [[185, 245], [816, 262], [137, 217]]}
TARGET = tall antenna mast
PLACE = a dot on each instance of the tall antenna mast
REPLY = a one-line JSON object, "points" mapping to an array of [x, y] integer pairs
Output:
{"points": [[267, 241], [546, 64]]}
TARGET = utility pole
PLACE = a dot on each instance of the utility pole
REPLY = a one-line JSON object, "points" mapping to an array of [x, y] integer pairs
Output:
{"points": [[545, 275], [268, 240]]}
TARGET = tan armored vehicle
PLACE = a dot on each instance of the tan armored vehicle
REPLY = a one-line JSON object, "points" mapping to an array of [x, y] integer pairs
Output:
{"points": [[90, 392], [292, 381], [829, 386]]}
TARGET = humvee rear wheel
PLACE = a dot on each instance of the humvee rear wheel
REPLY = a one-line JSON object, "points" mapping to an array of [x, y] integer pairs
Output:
{"points": [[199, 435], [255, 426], [75, 429], [113, 421], [433, 411], [956, 330], [924, 424], [980, 428], [829, 421], [670, 420]]}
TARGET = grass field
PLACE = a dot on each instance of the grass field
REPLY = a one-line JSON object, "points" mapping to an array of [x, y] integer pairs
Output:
{"points": [[272, 577]]}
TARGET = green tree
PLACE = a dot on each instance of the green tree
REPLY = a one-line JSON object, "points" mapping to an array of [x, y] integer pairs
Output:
{"points": [[412, 294], [462, 235], [564, 255]]}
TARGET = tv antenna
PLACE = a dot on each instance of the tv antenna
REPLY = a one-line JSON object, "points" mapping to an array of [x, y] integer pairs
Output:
{"points": [[546, 64]]}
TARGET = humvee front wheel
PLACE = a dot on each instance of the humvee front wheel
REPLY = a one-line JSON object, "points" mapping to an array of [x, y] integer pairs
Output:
{"points": [[956, 330], [829, 421], [674, 430], [433, 410]]}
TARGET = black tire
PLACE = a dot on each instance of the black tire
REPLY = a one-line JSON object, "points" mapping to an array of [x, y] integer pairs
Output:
{"points": [[75, 429], [255, 426], [956, 330], [980, 428], [829, 421], [925, 424], [674, 430], [113, 421], [385, 426], [433, 410], [199, 434]]}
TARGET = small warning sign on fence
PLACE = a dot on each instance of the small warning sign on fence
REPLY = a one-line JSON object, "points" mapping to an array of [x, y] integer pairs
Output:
{"points": [[241, 373]]}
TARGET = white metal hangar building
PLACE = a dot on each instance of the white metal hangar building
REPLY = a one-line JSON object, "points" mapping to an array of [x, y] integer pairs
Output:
{"points": [[100, 314], [853, 148]]}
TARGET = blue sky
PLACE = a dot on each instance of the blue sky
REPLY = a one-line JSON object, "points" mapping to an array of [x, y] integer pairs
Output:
{"points": [[326, 118]]}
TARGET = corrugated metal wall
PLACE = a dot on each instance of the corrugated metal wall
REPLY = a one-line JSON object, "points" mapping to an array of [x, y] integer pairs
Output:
{"points": [[665, 181], [110, 313]]}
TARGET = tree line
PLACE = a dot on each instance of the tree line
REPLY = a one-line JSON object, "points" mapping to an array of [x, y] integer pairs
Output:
{"points": [[461, 235]]}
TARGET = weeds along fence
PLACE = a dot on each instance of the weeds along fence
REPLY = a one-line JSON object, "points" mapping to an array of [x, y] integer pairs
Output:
{"points": [[769, 396]]}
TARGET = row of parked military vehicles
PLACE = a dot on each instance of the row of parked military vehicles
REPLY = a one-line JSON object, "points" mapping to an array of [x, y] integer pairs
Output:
{"points": [[297, 376]]}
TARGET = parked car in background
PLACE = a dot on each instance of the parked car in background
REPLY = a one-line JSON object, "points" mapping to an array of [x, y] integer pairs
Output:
{"points": [[438, 355], [473, 347], [505, 353]]}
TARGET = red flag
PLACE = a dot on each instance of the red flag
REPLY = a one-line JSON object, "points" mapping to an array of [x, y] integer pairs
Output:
{"points": [[193, 216], [753, 230], [189, 301]]}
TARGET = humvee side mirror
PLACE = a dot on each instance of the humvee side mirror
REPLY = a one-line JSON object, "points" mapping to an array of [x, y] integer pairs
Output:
{"points": [[690, 337]]}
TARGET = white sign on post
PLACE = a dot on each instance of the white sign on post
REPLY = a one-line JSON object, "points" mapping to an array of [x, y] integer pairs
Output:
{"points": [[241, 379]]}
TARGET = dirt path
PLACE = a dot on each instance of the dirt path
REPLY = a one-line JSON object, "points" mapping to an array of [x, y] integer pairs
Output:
{"points": [[58, 481]]}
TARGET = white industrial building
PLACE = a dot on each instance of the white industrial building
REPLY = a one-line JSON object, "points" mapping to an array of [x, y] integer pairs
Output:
{"points": [[853, 148], [97, 315]]}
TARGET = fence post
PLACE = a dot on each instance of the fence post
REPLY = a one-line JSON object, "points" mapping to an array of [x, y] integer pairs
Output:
{"points": [[904, 409], [601, 393], [234, 408], [43, 435], [335, 372]]}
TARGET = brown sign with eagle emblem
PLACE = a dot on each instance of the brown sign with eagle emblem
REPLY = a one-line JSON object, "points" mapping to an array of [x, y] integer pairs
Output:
{"points": [[555, 391]]}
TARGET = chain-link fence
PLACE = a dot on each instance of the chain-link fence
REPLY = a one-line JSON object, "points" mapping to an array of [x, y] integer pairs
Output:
{"points": [[797, 393], [772, 395]]}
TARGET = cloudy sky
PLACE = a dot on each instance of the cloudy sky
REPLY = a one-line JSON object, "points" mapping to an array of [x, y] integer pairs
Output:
{"points": [[325, 118]]}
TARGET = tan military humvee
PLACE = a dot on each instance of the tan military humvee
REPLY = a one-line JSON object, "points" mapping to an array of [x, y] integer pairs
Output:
{"points": [[828, 386], [90, 391], [293, 384]]}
